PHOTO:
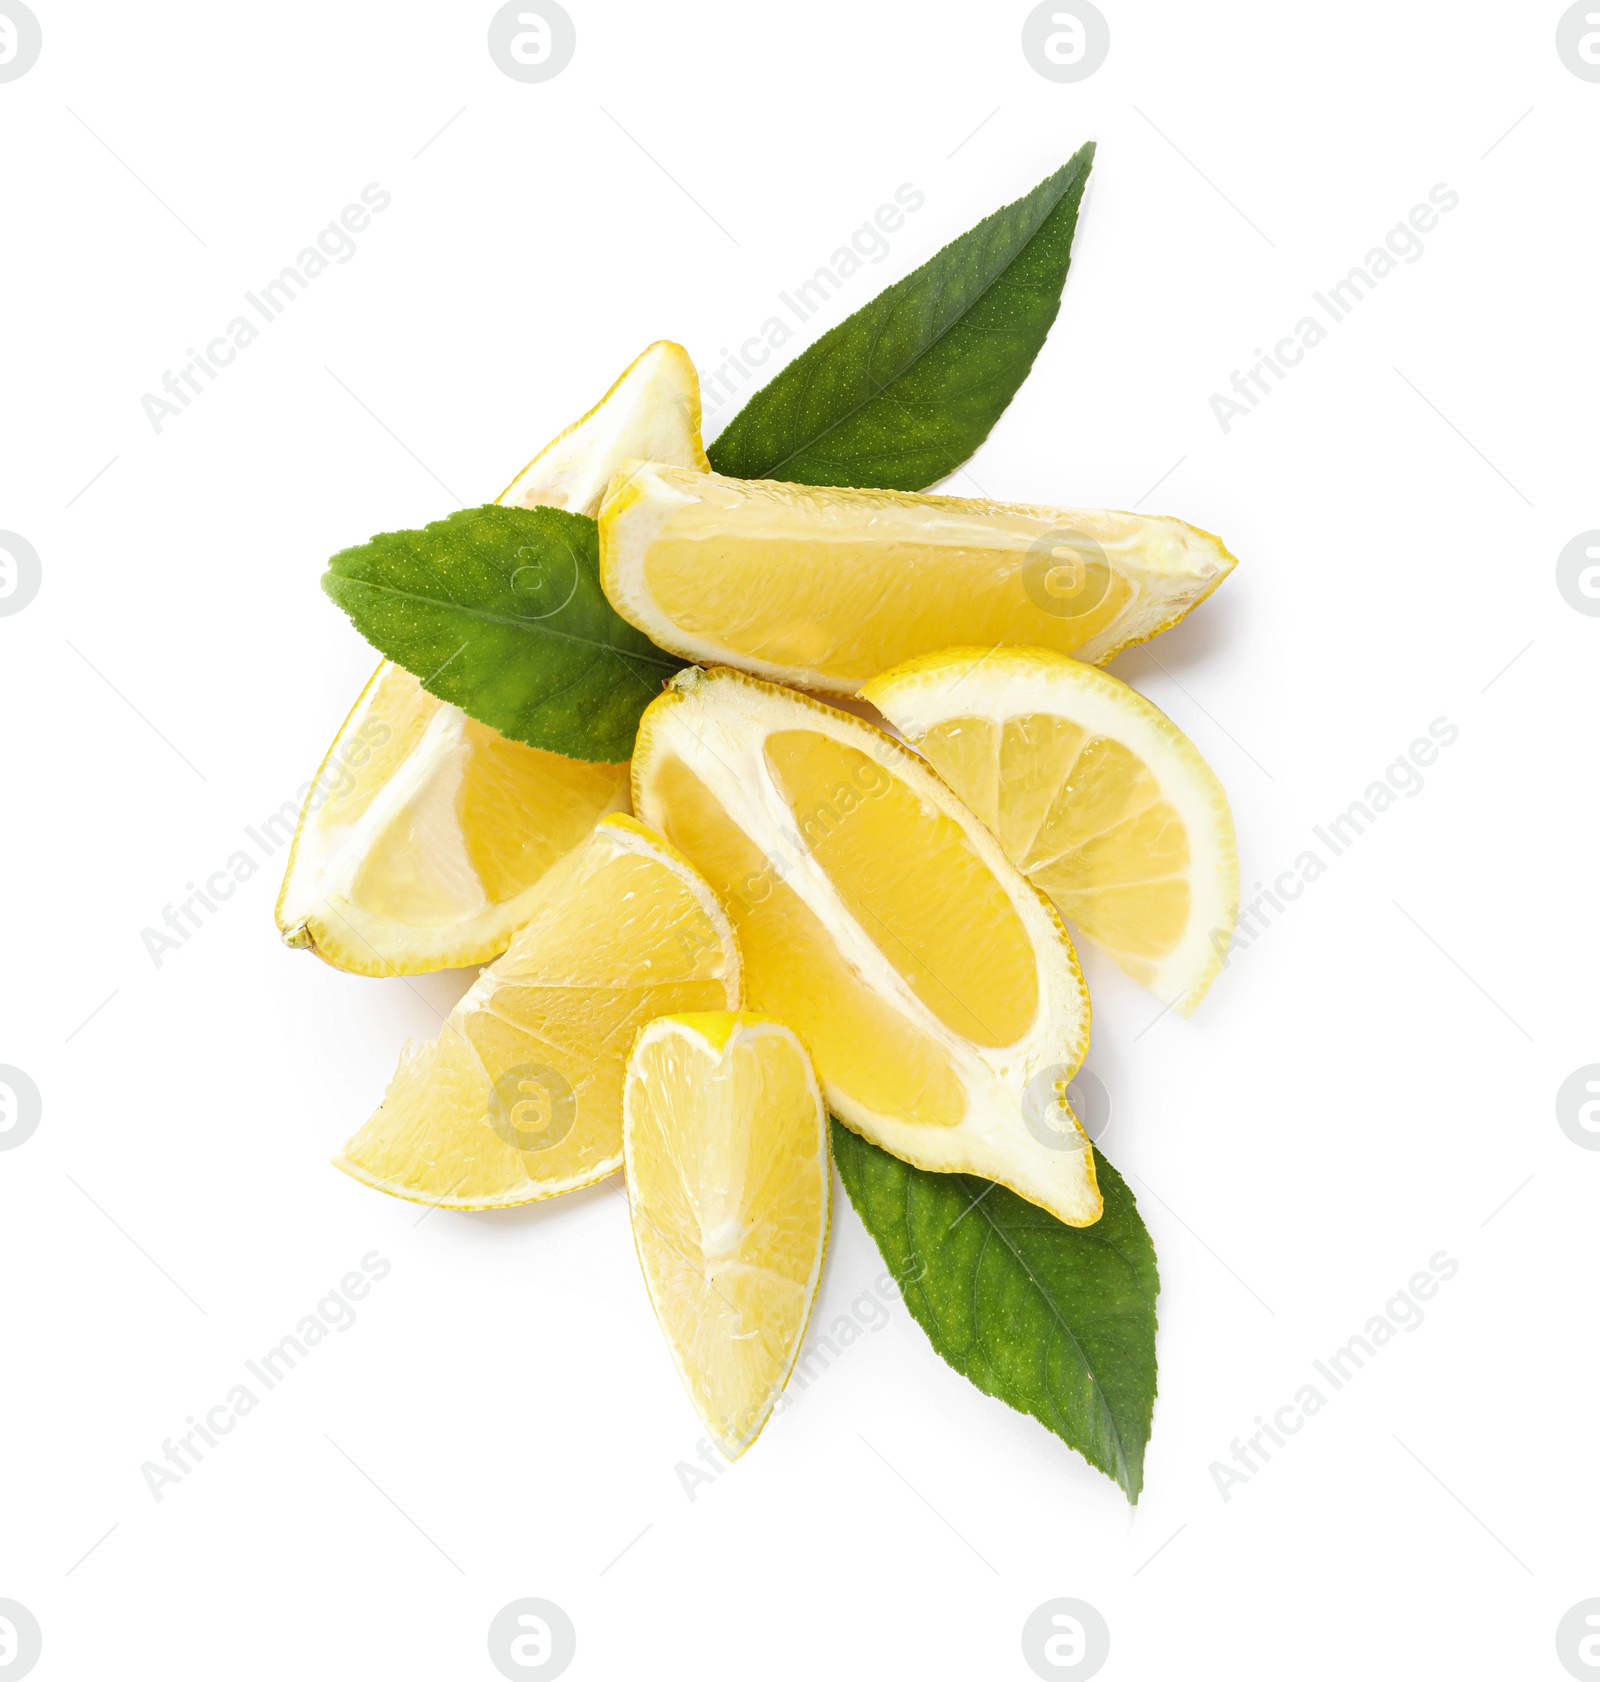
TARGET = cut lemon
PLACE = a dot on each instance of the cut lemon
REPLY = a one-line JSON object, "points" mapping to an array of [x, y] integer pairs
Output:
{"points": [[652, 411], [1094, 793], [729, 1179], [425, 831], [520, 1097], [935, 987], [824, 588]]}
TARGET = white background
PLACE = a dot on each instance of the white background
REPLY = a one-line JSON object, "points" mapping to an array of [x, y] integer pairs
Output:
{"points": [[1367, 1085]]}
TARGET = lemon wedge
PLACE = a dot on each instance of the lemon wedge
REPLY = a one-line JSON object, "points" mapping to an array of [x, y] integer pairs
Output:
{"points": [[936, 988], [824, 588], [653, 411], [424, 832], [725, 1137], [520, 1097], [1095, 795]]}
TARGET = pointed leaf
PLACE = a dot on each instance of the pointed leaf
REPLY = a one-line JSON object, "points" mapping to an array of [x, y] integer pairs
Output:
{"points": [[500, 610], [1057, 1321], [904, 391]]}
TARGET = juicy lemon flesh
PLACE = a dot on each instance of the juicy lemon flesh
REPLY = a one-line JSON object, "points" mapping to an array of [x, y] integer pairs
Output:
{"points": [[794, 970], [484, 830], [520, 1097], [963, 950], [852, 590], [482, 825], [522, 808], [729, 1186], [1084, 818]]}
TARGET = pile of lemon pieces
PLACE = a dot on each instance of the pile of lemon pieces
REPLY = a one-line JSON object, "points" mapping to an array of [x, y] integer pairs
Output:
{"points": [[780, 908]]}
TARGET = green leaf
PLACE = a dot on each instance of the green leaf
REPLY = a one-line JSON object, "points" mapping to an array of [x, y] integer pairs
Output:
{"points": [[500, 610], [904, 391], [1058, 1321]]}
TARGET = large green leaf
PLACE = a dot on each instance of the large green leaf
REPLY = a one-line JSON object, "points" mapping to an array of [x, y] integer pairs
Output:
{"points": [[1058, 1321], [500, 610], [906, 389]]}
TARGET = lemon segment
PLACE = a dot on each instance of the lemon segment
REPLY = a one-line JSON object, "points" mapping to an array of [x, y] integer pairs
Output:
{"points": [[1095, 795], [824, 588], [879, 919], [725, 1136], [520, 1097], [425, 831]]}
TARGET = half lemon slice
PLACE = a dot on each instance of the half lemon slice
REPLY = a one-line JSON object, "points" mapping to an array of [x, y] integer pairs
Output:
{"points": [[936, 988], [1095, 795], [520, 1097], [729, 1179], [824, 588]]}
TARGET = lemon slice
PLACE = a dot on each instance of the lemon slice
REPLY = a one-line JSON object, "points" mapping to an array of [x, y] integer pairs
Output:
{"points": [[729, 1179], [933, 984], [424, 832], [825, 588], [1094, 793], [520, 1097]]}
